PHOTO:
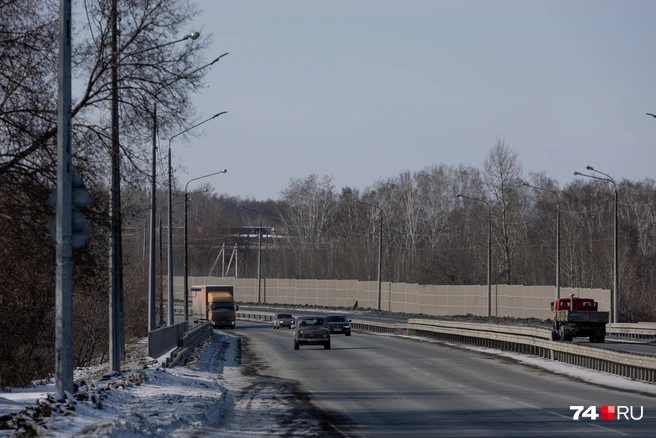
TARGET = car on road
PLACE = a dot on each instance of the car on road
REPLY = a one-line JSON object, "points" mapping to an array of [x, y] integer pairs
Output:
{"points": [[283, 320], [311, 330], [339, 324]]}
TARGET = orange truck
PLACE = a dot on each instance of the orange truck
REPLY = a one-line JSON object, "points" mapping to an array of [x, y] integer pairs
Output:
{"points": [[215, 304], [578, 317]]}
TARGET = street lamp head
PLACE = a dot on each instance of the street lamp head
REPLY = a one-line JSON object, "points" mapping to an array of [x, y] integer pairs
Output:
{"points": [[192, 35], [224, 170], [458, 195], [589, 167], [217, 115], [577, 173]]}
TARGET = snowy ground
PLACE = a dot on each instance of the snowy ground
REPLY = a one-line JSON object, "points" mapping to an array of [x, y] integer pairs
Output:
{"points": [[214, 395], [217, 394]]}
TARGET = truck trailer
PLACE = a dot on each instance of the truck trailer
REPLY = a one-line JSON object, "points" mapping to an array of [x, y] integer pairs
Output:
{"points": [[578, 317], [215, 304]]}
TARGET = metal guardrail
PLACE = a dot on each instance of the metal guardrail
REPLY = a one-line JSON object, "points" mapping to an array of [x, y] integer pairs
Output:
{"points": [[165, 338], [523, 340], [641, 330], [187, 342]]}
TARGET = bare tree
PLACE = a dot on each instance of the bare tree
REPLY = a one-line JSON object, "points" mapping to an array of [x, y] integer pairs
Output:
{"points": [[502, 171]]}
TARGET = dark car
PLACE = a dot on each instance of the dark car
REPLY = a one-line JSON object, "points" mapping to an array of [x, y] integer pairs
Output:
{"points": [[339, 324], [282, 320], [311, 330]]}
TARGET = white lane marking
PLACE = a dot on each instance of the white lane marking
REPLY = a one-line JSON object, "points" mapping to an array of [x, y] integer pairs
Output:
{"points": [[526, 404], [610, 430], [559, 415]]}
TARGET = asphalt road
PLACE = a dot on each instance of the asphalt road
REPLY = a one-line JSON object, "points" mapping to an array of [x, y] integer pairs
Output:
{"points": [[636, 346], [376, 385]]}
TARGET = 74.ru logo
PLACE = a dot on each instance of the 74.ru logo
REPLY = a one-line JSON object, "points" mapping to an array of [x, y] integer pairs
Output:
{"points": [[607, 412]]}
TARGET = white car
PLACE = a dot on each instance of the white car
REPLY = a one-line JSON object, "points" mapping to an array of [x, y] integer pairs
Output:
{"points": [[283, 320]]}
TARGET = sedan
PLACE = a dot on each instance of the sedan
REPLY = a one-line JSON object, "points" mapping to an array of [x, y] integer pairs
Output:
{"points": [[283, 320], [311, 330], [339, 324]]}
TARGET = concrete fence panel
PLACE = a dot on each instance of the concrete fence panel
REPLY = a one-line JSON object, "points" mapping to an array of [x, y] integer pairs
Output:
{"points": [[507, 300]]}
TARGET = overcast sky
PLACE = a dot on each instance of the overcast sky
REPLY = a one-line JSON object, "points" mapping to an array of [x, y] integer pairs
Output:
{"points": [[363, 90]]}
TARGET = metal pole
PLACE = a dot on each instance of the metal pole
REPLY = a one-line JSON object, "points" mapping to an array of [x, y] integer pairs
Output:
{"points": [[114, 253], [170, 248], [380, 248], [64, 220], [259, 252], [616, 313], [489, 262], [153, 221], [558, 248], [170, 261], [223, 260], [489, 250], [161, 285], [259, 262], [186, 272], [380, 256], [557, 234]]}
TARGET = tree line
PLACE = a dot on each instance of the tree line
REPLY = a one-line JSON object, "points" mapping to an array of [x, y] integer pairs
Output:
{"points": [[431, 236]]}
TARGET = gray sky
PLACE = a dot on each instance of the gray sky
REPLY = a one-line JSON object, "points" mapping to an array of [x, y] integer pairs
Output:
{"points": [[365, 89]]}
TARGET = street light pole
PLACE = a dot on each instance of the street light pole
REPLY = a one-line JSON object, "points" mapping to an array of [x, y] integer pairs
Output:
{"points": [[170, 231], [557, 234], [380, 249], [615, 313], [186, 272], [64, 229], [116, 319], [489, 251], [259, 252], [153, 188]]}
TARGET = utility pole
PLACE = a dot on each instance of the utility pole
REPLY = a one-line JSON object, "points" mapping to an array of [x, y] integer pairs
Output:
{"points": [[64, 232], [380, 249], [259, 254], [489, 250], [115, 205]]}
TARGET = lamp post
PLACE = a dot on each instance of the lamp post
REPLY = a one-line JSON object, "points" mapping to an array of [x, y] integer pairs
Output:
{"points": [[153, 190], [615, 313], [489, 250], [259, 251], [380, 247], [557, 234], [116, 321], [186, 273], [170, 231]]}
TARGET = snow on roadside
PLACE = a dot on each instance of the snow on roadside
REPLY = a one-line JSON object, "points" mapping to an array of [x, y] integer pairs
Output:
{"points": [[213, 395]]}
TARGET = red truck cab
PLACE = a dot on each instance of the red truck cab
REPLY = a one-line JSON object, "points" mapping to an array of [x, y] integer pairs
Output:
{"points": [[578, 317], [578, 304]]}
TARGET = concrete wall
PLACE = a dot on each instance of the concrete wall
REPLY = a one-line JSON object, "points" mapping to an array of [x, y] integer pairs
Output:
{"points": [[512, 301]]}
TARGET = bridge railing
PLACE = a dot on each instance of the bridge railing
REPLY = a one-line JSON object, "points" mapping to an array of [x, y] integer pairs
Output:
{"points": [[165, 338]]}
